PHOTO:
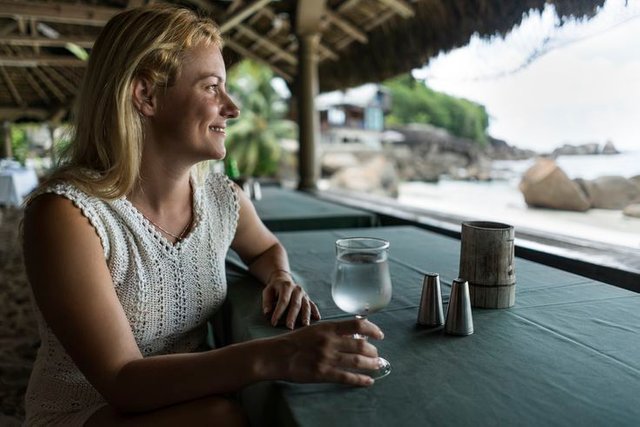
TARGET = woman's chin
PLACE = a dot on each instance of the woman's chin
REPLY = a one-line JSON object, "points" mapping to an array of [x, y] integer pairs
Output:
{"points": [[217, 154]]}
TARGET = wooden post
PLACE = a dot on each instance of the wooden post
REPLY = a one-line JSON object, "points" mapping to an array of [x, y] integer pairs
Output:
{"points": [[308, 122], [309, 14], [486, 262]]}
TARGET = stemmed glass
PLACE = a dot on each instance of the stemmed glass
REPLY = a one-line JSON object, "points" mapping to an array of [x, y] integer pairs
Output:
{"points": [[362, 284]]}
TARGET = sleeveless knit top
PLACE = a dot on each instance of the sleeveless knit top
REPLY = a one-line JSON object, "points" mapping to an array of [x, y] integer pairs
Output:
{"points": [[168, 291]]}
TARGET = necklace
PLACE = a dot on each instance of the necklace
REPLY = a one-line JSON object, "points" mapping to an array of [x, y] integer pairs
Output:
{"points": [[178, 237]]}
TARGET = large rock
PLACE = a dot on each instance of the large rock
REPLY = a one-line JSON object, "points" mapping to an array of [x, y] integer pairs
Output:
{"points": [[334, 161], [577, 150], [377, 176], [633, 210], [546, 185], [609, 148], [610, 192]]}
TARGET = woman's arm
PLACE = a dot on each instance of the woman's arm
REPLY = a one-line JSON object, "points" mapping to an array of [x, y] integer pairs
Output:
{"points": [[74, 291], [268, 262]]}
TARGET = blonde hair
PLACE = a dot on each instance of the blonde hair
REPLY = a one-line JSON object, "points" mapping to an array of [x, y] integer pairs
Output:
{"points": [[104, 155]]}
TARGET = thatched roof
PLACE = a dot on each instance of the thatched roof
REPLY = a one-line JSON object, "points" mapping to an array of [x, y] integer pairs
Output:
{"points": [[361, 40]]}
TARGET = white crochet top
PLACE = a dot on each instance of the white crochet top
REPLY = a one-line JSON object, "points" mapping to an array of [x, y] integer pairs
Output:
{"points": [[168, 291]]}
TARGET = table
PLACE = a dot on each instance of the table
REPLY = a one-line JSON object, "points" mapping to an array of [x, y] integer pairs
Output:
{"points": [[15, 184], [568, 352], [285, 210]]}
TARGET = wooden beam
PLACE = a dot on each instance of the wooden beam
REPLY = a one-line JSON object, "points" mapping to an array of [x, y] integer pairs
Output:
{"points": [[14, 92], [370, 25], [36, 87], [291, 59], [325, 52], [86, 42], [349, 4], [242, 14], [58, 78], [8, 28], [56, 117], [245, 52], [34, 33], [400, 6], [49, 84], [11, 114], [37, 61], [200, 4], [379, 20], [346, 26], [235, 4], [58, 12], [290, 48]]}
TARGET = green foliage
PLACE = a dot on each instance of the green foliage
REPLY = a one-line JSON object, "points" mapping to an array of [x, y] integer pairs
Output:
{"points": [[19, 144], [414, 102], [62, 143], [253, 138]]}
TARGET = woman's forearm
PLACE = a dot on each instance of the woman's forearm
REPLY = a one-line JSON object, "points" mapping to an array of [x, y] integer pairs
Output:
{"points": [[158, 381], [324, 352], [269, 262]]}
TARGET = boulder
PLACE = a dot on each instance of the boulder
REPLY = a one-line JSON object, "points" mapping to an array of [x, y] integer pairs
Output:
{"points": [[546, 185], [334, 161], [609, 148], [376, 176], [577, 150], [610, 192], [633, 210]]}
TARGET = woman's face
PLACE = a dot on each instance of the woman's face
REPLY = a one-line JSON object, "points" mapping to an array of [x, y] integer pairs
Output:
{"points": [[191, 116]]}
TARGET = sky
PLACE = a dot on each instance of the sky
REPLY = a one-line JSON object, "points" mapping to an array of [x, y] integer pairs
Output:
{"points": [[584, 87]]}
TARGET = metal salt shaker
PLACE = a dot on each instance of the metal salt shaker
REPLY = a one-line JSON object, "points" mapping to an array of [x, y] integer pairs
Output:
{"points": [[430, 312], [459, 318]]}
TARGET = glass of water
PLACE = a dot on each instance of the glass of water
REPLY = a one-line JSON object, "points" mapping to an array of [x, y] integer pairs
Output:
{"points": [[362, 283]]}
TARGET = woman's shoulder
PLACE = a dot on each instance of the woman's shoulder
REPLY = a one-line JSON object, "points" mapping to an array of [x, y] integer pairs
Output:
{"points": [[62, 204], [220, 185], [222, 193], [53, 220]]}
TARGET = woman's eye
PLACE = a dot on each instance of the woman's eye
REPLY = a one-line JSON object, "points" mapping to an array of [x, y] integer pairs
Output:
{"points": [[212, 88]]}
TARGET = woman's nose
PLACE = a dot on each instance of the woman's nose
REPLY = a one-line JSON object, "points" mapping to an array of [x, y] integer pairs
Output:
{"points": [[231, 110]]}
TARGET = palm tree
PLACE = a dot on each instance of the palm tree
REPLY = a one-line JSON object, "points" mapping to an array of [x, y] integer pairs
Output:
{"points": [[253, 140]]}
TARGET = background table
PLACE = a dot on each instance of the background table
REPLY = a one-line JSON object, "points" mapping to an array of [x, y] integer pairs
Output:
{"points": [[15, 184], [283, 210], [566, 354]]}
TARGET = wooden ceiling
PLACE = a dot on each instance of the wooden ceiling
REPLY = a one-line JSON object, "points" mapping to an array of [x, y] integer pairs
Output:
{"points": [[43, 43]]}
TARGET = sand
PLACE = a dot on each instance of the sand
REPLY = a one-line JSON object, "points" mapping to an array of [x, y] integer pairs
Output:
{"points": [[18, 330], [503, 202]]}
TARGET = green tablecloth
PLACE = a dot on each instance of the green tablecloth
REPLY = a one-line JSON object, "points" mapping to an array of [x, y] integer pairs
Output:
{"points": [[568, 352], [287, 210]]}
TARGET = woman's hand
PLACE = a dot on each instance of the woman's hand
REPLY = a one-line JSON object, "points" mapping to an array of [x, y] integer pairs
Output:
{"points": [[327, 352], [282, 294]]}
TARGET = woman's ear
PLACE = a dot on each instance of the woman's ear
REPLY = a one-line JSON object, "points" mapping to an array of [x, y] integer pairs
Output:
{"points": [[143, 97]]}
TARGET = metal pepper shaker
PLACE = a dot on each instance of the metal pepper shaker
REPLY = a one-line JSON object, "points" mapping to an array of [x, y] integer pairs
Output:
{"points": [[430, 312], [459, 317]]}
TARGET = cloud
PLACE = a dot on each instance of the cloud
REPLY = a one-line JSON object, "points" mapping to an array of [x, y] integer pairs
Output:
{"points": [[586, 89]]}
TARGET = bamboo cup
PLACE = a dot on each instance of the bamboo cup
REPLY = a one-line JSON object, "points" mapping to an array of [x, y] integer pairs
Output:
{"points": [[486, 262]]}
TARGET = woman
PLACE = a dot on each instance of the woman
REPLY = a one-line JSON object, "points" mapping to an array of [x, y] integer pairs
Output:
{"points": [[124, 247]]}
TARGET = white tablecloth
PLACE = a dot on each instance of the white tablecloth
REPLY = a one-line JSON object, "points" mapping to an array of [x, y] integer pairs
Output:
{"points": [[15, 184]]}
